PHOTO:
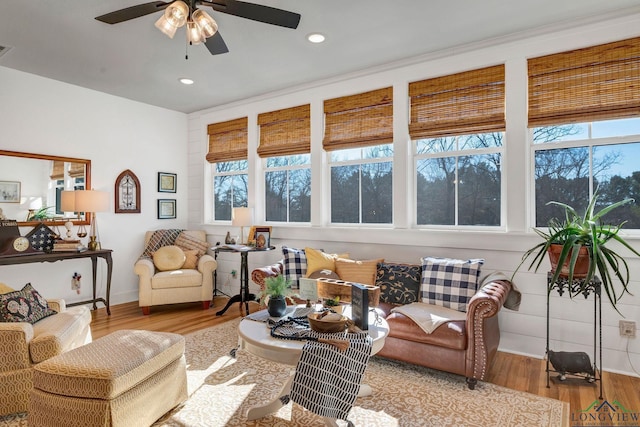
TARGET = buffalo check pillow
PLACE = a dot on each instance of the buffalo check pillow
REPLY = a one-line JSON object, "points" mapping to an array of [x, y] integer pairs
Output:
{"points": [[294, 262], [449, 282]]}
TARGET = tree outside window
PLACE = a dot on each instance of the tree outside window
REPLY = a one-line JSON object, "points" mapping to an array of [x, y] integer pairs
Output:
{"points": [[458, 180], [288, 188], [361, 185], [230, 188], [573, 160]]}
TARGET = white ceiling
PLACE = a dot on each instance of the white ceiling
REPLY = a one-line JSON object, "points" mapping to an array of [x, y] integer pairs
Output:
{"points": [[61, 40]]}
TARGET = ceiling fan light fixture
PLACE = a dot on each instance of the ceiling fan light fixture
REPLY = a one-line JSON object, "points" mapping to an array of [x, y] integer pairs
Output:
{"points": [[177, 13], [194, 36], [165, 26], [206, 23]]}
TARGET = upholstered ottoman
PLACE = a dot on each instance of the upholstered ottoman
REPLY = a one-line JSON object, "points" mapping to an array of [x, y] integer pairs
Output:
{"points": [[127, 378]]}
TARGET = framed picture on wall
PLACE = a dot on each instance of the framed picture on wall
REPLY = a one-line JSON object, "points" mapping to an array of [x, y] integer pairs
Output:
{"points": [[9, 192], [167, 182], [166, 208]]}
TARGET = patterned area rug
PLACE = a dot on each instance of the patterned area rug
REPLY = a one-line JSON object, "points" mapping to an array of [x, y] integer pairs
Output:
{"points": [[222, 389]]}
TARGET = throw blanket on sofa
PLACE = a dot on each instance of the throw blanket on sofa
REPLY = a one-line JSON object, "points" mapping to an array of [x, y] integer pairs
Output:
{"points": [[327, 380], [429, 316]]}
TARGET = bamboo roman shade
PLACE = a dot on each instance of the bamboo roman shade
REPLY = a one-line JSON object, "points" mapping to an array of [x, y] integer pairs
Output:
{"points": [[57, 170], [358, 120], [76, 170], [462, 103], [595, 83], [285, 132], [228, 140]]}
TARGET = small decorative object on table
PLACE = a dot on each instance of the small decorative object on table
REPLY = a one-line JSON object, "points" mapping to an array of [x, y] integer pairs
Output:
{"points": [[263, 239], [360, 305], [275, 294], [327, 322]]}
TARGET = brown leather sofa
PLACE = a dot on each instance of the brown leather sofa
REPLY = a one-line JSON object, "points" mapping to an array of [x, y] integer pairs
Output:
{"points": [[464, 347]]}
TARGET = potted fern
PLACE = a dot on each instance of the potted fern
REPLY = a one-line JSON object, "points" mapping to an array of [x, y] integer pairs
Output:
{"points": [[277, 290], [585, 238]]}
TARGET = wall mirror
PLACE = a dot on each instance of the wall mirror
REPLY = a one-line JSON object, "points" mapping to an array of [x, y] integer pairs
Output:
{"points": [[31, 186]]}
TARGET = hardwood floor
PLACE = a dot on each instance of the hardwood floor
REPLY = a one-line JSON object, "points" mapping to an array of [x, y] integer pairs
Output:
{"points": [[509, 370]]}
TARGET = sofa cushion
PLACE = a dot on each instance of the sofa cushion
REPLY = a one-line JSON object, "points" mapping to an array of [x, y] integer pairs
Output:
{"points": [[319, 260], [451, 334], [449, 282], [186, 242], [25, 305], [5, 289], [183, 278], [294, 263], [191, 259], [169, 258], [62, 332], [399, 283], [351, 270]]}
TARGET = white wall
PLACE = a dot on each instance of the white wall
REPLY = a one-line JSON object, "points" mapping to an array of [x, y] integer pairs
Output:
{"points": [[523, 331], [39, 115]]}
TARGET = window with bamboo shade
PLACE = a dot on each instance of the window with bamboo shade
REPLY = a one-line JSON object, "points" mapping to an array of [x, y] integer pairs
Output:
{"points": [[595, 83], [228, 140], [358, 120], [457, 104], [285, 132]]}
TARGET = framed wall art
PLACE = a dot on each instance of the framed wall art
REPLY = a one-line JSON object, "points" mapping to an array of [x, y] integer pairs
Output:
{"points": [[251, 240], [9, 191], [167, 182], [127, 193], [263, 237], [166, 208]]}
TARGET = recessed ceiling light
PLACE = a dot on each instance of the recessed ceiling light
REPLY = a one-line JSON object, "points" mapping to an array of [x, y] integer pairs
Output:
{"points": [[315, 38], [186, 81]]}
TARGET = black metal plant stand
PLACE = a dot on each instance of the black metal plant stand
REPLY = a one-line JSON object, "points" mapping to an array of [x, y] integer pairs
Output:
{"points": [[575, 287]]}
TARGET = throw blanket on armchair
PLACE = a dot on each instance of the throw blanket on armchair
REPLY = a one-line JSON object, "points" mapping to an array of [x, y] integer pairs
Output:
{"points": [[158, 239], [327, 380]]}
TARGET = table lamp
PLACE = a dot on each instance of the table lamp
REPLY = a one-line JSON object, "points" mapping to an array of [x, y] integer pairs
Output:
{"points": [[92, 201], [241, 217]]}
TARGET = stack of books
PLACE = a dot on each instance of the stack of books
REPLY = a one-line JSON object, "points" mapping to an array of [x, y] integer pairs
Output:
{"points": [[68, 245]]}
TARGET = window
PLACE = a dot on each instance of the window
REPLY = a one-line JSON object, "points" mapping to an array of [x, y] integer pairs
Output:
{"points": [[585, 157], [586, 103], [358, 132], [288, 188], [458, 180], [230, 185], [228, 157], [285, 140], [457, 127], [361, 185]]}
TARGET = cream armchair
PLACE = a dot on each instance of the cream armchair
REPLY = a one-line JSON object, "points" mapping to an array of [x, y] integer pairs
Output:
{"points": [[24, 345], [175, 286]]}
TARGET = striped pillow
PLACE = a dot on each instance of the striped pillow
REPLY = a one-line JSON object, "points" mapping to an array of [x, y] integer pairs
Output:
{"points": [[187, 242], [363, 272]]}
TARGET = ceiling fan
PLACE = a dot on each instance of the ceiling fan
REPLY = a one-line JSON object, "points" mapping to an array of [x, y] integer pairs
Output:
{"points": [[200, 26]]}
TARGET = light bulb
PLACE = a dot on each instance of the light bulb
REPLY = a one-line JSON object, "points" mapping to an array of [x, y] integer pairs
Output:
{"points": [[207, 25], [193, 33], [166, 27], [177, 13]]}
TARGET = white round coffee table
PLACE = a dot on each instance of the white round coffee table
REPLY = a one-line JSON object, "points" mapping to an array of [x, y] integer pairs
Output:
{"points": [[255, 337]]}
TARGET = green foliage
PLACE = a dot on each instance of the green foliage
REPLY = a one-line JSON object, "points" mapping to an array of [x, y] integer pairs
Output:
{"points": [[332, 302], [575, 231], [40, 214], [276, 286]]}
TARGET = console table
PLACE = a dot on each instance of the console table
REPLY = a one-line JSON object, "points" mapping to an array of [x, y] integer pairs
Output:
{"points": [[61, 256]]}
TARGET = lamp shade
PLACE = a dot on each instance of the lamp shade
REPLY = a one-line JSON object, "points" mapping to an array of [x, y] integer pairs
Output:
{"points": [[68, 201], [91, 201], [241, 217]]}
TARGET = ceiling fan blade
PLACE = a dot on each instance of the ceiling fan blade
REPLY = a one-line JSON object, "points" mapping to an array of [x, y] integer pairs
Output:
{"points": [[256, 12], [133, 12], [216, 45]]}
